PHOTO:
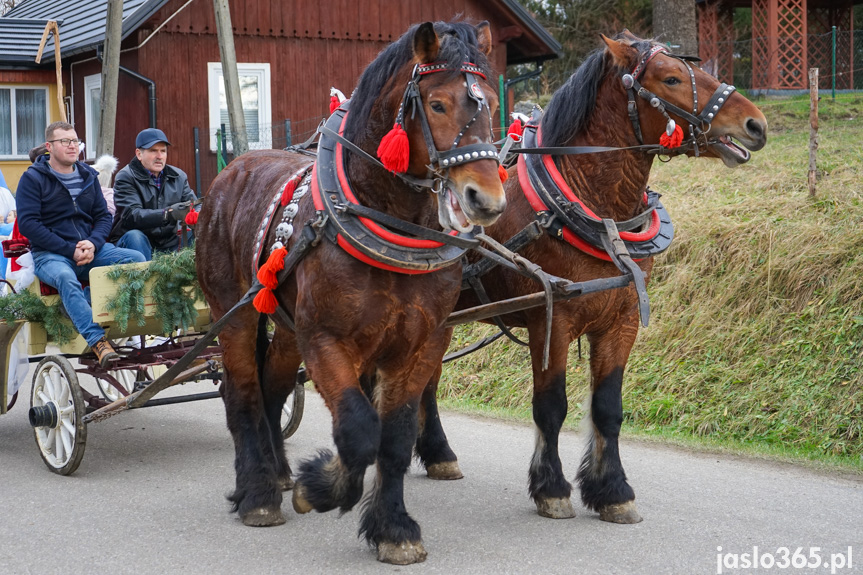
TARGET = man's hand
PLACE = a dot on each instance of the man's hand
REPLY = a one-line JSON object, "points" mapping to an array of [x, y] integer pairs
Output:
{"points": [[85, 251], [177, 212]]}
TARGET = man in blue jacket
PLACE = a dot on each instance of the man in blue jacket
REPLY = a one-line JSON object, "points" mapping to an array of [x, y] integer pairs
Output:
{"points": [[62, 212]]}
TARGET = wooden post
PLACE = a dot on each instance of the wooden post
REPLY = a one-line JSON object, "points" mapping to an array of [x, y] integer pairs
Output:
{"points": [[232, 79], [51, 27], [110, 78], [813, 127]]}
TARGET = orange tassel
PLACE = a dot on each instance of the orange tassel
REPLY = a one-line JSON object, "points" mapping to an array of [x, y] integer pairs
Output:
{"points": [[288, 194], [334, 103], [192, 218], [265, 301], [275, 264], [394, 150], [516, 130], [672, 141], [501, 171]]}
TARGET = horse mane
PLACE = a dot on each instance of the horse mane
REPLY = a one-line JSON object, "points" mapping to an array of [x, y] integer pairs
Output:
{"points": [[458, 43], [571, 107]]}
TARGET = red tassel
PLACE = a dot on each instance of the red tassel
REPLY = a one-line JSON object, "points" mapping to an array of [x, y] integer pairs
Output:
{"points": [[275, 264], [334, 103], [516, 130], [192, 218], [288, 194], [672, 141], [265, 301], [501, 171], [395, 151]]}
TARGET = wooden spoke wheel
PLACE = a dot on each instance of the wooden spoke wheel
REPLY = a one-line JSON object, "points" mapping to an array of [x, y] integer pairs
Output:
{"points": [[292, 411], [57, 411]]}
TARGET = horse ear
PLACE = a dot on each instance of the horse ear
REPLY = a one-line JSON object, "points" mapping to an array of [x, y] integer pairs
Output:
{"points": [[483, 37], [622, 55], [426, 43]]}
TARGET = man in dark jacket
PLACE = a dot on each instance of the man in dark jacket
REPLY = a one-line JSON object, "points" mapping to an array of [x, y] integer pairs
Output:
{"points": [[152, 198], [62, 212]]}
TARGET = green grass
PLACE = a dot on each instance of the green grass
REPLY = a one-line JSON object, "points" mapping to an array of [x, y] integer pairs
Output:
{"points": [[756, 335]]}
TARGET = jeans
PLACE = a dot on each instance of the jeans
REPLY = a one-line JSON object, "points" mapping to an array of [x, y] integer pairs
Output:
{"points": [[138, 241], [63, 274]]}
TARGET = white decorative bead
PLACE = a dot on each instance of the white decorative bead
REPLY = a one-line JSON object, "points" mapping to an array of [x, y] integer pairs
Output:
{"points": [[278, 246], [460, 157], [710, 115]]}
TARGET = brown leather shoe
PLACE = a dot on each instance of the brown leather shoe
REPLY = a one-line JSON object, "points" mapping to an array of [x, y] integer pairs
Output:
{"points": [[104, 352]]}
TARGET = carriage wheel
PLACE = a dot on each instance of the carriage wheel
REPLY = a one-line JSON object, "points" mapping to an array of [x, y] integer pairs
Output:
{"points": [[124, 377], [292, 411], [56, 413]]}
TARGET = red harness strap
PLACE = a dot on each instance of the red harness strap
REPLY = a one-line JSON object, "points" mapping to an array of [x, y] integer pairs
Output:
{"points": [[570, 237]]}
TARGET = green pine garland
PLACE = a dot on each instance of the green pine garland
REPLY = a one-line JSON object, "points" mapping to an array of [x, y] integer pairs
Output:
{"points": [[174, 292], [28, 306]]}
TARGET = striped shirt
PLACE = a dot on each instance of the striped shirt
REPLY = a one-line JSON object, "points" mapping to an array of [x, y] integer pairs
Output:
{"points": [[73, 182]]}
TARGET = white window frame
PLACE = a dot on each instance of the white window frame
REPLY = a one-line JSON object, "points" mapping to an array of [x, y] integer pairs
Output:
{"points": [[90, 135], [14, 121], [215, 77]]}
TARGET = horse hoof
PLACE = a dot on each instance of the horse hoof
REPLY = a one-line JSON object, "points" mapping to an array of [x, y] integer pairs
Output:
{"points": [[301, 504], [555, 507], [263, 517], [446, 470], [401, 553], [620, 513], [286, 483]]}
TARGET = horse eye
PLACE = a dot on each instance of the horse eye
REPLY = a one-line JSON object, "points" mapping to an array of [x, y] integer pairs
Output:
{"points": [[672, 81], [437, 107]]}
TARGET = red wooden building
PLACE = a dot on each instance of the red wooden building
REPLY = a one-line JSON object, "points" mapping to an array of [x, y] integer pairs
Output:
{"points": [[788, 38], [289, 54]]}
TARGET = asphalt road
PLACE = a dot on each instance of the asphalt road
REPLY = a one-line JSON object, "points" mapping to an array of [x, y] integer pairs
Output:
{"points": [[149, 498]]}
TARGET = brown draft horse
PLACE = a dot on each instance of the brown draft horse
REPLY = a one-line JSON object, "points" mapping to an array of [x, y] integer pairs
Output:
{"points": [[351, 319], [591, 110]]}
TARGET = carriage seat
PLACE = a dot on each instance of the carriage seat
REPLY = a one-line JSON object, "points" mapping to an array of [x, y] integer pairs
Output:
{"points": [[45, 289]]}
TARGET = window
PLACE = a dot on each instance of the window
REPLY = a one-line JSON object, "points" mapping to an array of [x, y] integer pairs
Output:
{"points": [[92, 113], [23, 118], [255, 95]]}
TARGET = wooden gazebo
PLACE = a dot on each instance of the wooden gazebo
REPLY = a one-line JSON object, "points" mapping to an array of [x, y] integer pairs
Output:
{"points": [[788, 38]]}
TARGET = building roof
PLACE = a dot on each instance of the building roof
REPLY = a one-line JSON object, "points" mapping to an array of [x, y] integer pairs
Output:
{"points": [[530, 42], [83, 26]]}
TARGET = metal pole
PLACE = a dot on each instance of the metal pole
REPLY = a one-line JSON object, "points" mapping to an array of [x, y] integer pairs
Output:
{"points": [[834, 62], [288, 139], [197, 162], [502, 105]]}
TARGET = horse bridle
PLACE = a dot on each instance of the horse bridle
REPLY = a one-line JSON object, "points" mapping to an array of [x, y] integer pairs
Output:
{"points": [[442, 160], [699, 123]]}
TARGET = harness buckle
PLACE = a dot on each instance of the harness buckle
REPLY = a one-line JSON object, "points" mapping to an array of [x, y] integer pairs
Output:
{"points": [[438, 185]]}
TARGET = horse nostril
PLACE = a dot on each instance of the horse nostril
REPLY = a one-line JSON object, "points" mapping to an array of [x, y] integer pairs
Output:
{"points": [[755, 128]]}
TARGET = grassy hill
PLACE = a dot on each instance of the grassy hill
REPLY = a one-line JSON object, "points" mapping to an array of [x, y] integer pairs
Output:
{"points": [[756, 334]]}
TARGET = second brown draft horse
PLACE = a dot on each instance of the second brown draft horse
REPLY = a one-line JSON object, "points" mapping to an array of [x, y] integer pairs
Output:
{"points": [[354, 311], [623, 96]]}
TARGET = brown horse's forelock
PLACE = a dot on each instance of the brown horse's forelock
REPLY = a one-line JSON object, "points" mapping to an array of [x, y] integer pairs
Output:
{"points": [[571, 107], [458, 43]]}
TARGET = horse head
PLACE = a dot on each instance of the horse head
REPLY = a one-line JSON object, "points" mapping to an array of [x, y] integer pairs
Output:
{"points": [[670, 92], [441, 97]]}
